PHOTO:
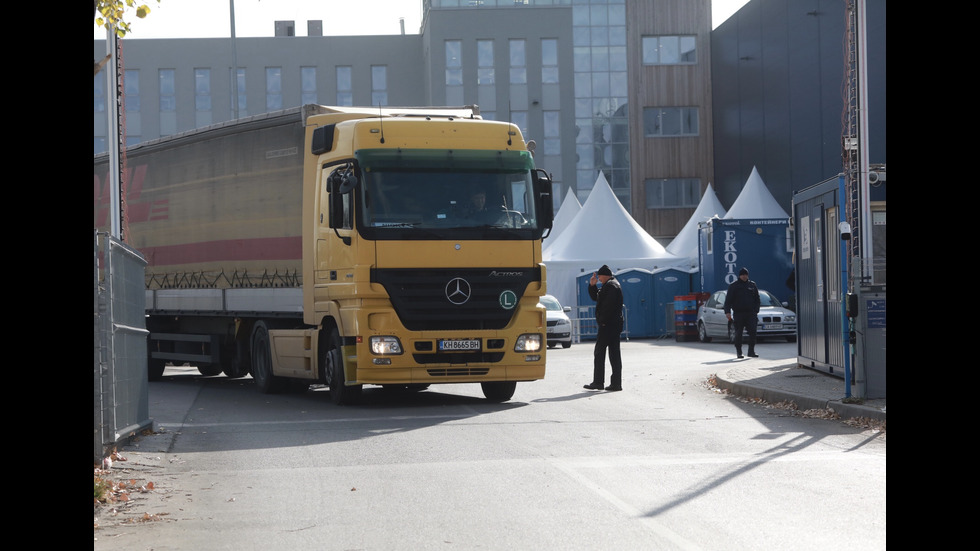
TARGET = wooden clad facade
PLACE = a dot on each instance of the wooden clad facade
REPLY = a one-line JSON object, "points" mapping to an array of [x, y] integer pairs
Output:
{"points": [[686, 85]]}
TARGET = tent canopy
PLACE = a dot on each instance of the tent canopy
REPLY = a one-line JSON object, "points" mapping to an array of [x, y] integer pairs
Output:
{"points": [[755, 201], [602, 232], [685, 245], [566, 213]]}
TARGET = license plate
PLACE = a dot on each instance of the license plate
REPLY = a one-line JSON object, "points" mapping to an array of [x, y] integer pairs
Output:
{"points": [[450, 345], [774, 326]]}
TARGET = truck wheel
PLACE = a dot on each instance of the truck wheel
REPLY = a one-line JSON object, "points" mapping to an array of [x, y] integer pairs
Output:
{"points": [[235, 359], [154, 369], [209, 370], [266, 382], [340, 393], [499, 391]]}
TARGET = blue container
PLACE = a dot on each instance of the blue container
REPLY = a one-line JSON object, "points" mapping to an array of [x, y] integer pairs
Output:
{"points": [[764, 246]]}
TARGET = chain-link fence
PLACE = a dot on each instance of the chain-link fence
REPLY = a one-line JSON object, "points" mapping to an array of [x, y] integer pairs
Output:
{"points": [[121, 385]]}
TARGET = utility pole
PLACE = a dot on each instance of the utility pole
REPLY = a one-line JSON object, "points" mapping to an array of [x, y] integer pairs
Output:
{"points": [[115, 134], [234, 58]]}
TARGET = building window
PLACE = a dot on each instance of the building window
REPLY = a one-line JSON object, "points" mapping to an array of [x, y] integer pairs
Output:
{"points": [[670, 121], [168, 102], [484, 61], [168, 99], [242, 96], [520, 119], [670, 193], [454, 63], [549, 61], [99, 95], [307, 77], [669, 50], [273, 88], [131, 83], [518, 62], [379, 85], [202, 89], [552, 133], [345, 93]]}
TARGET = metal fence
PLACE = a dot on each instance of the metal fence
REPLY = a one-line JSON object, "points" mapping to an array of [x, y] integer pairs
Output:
{"points": [[585, 327], [121, 385]]}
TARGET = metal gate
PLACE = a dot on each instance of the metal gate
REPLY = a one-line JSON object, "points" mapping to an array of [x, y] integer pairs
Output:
{"points": [[121, 385]]}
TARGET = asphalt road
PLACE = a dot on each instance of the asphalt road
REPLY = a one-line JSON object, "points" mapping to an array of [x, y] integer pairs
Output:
{"points": [[668, 463]]}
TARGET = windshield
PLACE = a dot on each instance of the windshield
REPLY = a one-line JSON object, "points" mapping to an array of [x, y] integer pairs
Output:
{"points": [[768, 299], [550, 304], [479, 193]]}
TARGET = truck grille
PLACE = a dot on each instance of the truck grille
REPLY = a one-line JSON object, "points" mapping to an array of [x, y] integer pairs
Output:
{"points": [[479, 298]]}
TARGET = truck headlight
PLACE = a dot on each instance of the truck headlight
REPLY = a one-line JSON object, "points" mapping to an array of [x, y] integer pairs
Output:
{"points": [[528, 342], [385, 345]]}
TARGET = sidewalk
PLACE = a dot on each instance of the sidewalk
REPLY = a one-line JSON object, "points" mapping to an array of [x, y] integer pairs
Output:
{"points": [[807, 388]]}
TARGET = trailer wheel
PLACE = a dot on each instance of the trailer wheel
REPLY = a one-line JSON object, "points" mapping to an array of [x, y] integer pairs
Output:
{"points": [[266, 382], [340, 393], [154, 369], [209, 370], [499, 391], [235, 359]]}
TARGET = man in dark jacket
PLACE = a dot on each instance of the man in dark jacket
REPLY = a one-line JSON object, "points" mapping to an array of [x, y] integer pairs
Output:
{"points": [[609, 317], [743, 299]]}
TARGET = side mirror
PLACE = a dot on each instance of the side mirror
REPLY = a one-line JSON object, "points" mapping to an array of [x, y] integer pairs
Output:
{"points": [[546, 208], [348, 182]]}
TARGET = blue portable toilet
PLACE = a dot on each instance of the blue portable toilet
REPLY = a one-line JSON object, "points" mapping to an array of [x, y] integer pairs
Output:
{"points": [[763, 245], [637, 285], [648, 298], [667, 284]]}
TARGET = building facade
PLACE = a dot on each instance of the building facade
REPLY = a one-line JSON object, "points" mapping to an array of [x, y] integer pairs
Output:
{"points": [[565, 71], [640, 90]]}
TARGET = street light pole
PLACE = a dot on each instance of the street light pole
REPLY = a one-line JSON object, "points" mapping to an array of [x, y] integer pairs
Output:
{"points": [[112, 78], [234, 57]]}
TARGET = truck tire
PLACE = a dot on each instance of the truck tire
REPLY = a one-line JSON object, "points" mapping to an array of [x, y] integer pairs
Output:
{"points": [[235, 359], [499, 391], [154, 369], [266, 382], [340, 393], [209, 370]]}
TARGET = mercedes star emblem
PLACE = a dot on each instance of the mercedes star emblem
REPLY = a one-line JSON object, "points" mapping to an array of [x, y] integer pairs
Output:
{"points": [[458, 290]]}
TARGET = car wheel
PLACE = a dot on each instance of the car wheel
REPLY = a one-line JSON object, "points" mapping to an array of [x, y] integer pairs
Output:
{"points": [[703, 333], [566, 344]]}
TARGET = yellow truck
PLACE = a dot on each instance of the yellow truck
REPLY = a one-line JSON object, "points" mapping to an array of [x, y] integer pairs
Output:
{"points": [[342, 246]]}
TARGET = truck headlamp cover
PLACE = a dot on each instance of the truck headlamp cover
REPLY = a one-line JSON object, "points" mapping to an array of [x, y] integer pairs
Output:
{"points": [[528, 342], [385, 345]]}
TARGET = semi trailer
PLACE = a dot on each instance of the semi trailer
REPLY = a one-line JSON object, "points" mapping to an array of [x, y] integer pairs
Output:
{"points": [[342, 246]]}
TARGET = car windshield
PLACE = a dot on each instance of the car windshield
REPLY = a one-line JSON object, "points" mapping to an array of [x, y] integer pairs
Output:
{"points": [[551, 304], [768, 299]]}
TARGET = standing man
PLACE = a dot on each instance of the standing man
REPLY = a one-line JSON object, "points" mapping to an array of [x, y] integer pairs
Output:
{"points": [[743, 299], [609, 317]]}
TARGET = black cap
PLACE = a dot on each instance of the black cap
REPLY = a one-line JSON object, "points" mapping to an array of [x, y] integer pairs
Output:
{"points": [[604, 270], [743, 271]]}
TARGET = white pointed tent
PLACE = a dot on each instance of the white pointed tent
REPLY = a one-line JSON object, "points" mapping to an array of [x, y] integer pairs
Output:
{"points": [[566, 213], [685, 245], [602, 232], [755, 201]]}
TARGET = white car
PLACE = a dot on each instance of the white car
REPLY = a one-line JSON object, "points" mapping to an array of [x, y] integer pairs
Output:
{"points": [[775, 320], [559, 326]]}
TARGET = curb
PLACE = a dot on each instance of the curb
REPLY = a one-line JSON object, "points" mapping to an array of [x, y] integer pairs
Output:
{"points": [[845, 410]]}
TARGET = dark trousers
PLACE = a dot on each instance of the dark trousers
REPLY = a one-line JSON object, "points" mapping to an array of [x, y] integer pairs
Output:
{"points": [[747, 322], [608, 337]]}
